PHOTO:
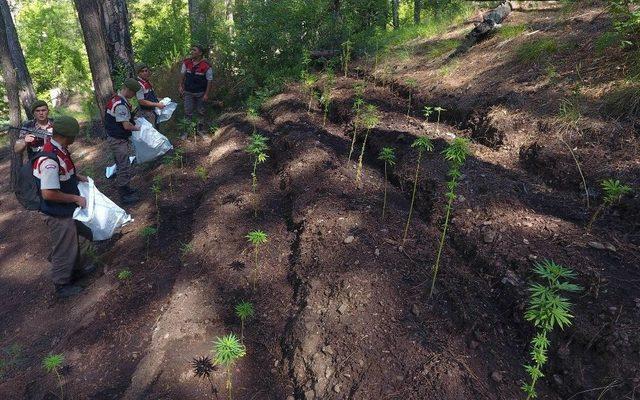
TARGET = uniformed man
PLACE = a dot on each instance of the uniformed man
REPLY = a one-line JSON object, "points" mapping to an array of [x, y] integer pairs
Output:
{"points": [[119, 123], [196, 82], [146, 95], [58, 181], [40, 121]]}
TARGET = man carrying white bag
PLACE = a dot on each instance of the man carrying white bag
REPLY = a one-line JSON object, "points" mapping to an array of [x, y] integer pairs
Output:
{"points": [[148, 143]]}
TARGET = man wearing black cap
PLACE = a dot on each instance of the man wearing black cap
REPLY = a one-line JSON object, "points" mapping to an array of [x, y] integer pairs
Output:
{"points": [[58, 182], [146, 95], [40, 121], [119, 123], [196, 82]]}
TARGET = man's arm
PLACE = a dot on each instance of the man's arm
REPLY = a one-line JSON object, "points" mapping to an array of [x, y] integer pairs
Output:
{"points": [[209, 76], [127, 125], [147, 103], [60, 197], [183, 71]]}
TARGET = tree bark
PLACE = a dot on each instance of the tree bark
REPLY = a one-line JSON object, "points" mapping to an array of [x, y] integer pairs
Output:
{"points": [[198, 20], [95, 42], [417, 10], [25, 86], [395, 11], [116, 28]]}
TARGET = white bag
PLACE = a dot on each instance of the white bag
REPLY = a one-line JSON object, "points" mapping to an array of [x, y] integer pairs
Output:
{"points": [[111, 170], [101, 215], [166, 113], [148, 142]]}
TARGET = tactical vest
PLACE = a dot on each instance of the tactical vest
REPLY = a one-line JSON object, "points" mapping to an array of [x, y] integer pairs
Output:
{"points": [[116, 129], [195, 76], [68, 182], [149, 93]]}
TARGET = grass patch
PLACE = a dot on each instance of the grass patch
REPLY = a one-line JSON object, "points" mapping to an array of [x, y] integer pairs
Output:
{"points": [[448, 68], [441, 47], [605, 41], [511, 31], [534, 50], [623, 101]]}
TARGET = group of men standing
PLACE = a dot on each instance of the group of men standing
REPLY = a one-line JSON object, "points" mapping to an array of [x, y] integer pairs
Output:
{"points": [[55, 172]]}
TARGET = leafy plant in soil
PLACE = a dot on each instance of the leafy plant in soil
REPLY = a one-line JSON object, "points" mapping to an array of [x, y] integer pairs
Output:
{"points": [[427, 111], [327, 91], [146, 234], [124, 275], [257, 148], [256, 238], [156, 188], [52, 364], [388, 156], [438, 110], [202, 173], [244, 311], [613, 192], [456, 154], [308, 83], [188, 127], [227, 351], [370, 119], [422, 144], [357, 108], [202, 367], [547, 310], [411, 85], [346, 56]]}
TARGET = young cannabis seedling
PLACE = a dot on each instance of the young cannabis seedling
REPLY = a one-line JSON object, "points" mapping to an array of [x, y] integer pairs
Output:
{"points": [[124, 275], [427, 111], [547, 310], [388, 156], [257, 148], [228, 350], [346, 56], [613, 192], [53, 363], [308, 83], [411, 85], [456, 154], [202, 173], [325, 96], [202, 367], [244, 311], [188, 127], [422, 144], [146, 234], [370, 119], [357, 108], [256, 238]]}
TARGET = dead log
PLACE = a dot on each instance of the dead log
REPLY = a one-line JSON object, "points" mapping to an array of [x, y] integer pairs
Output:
{"points": [[326, 54], [490, 22]]}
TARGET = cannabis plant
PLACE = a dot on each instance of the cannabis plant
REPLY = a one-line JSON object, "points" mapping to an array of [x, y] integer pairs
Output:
{"points": [[422, 144], [53, 363], [456, 154], [346, 56], [188, 127], [244, 311], [438, 110], [146, 234], [227, 351], [202, 367], [308, 83], [257, 148], [325, 96], [388, 156], [613, 192], [427, 111], [411, 85], [357, 108], [202, 173], [124, 275], [547, 310], [256, 238], [370, 119]]}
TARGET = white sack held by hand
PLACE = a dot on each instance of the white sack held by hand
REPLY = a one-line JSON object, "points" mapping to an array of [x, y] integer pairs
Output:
{"points": [[148, 142], [166, 113], [101, 215]]}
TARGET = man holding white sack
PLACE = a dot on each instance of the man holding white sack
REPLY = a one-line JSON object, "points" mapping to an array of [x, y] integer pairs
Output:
{"points": [[56, 175], [119, 123], [146, 95]]}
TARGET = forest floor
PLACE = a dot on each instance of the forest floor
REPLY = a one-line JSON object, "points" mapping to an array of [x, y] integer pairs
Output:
{"points": [[342, 307]]}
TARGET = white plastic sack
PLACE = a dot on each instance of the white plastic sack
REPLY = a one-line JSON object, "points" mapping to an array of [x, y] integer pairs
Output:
{"points": [[166, 113], [148, 142], [112, 169], [101, 215]]}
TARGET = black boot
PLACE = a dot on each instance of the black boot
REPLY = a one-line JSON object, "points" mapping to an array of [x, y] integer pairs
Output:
{"points": [[67, 290], [127, 197], [80, 273]]}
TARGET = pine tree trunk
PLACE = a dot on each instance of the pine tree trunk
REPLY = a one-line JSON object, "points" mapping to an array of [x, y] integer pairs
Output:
{"points": [[395, 10], [116, 28], [25, 86], [94, 39], [198, 21], [417, 9]]}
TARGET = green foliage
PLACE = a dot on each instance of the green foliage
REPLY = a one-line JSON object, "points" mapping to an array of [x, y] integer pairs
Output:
{"points": [[456, 154], [358, 103], [613, 190], [124, 274], [244, 311], [623, 100], [605, 41], [441, 47], [256, 238], [146, 234], [188, 127], [202, 173], [327, 91], [53, 363], [626, 20], [388, 156], [547, 310], [369, 118], [512, 31], [537, 49], [346, 56], [422, 144], [308, 85], [186, 248], [257, 148], [227, 351]]}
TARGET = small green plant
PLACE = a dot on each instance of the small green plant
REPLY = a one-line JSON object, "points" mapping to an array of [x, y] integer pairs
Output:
{"points": [[388, 156], [124, 275], [227, 351], [244, 311], [202, 367], [188, 127], [327, 92], [613, 192], [53, 364], [186, 248], [357, 108], [146, 234], [438, 110], [456, 154], [257, 148], [422, 144], [411, 85], [202, 173], [308, 84], [346, 56], [538, 49], [370, 118], [256, 238], [156, 188], [547, 310], [178, 156]]}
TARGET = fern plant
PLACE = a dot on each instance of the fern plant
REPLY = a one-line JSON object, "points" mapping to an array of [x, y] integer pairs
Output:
{"points": [[244, 311], [613, 192], [53, 364], [547, 310], [388, 156], [146, 234], [456, 154], [256, 238], [422, 144], [411, 85], [227, 351], [370, 119]]}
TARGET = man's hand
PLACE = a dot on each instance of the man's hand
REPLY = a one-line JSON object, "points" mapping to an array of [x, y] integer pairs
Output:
{"points": [[29, 138], [136, 127], [81, 201], [160, 105]]}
